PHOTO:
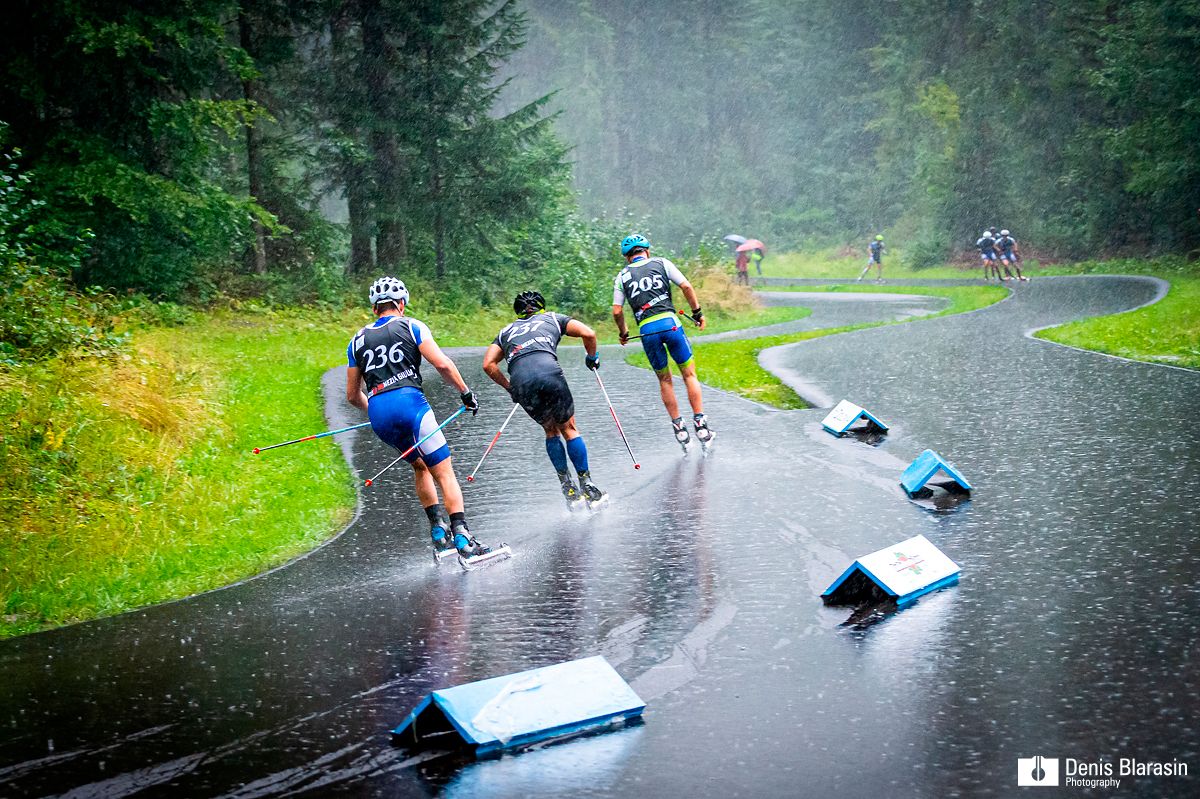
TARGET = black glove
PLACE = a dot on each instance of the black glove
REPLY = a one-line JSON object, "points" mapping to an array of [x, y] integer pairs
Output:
{"points": [[468, 399], [697, 316], [592, 361], [512, 395]]}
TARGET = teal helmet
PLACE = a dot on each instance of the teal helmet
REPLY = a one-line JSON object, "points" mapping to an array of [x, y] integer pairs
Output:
{"points": [[632, 242]]}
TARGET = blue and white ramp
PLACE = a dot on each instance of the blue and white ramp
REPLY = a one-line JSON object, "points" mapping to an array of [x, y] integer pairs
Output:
{"points": [[922, 470], [845, 414], [901, 572], [516, 709]]}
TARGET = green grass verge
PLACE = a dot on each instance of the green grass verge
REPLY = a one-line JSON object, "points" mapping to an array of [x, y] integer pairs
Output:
{"points": [[847, 264], [1166, 332], [131, 482], [733, 365]]}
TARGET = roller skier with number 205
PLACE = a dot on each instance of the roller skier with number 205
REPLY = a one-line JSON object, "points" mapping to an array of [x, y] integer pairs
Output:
{"points": [[645, 283]]}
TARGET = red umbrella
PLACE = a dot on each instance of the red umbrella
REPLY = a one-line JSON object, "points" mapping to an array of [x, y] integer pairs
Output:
{"points": [[752, 244]]}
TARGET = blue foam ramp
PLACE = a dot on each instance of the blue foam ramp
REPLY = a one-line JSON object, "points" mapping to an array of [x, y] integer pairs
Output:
{"points": [[922, 470], [902, 572], [517, 709], [845, 414]]}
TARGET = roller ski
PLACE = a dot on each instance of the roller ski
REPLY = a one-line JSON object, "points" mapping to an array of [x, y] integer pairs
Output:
{"points": [[703, 434], [681, 434], [576, 501], [472, 554], [593, 497]]}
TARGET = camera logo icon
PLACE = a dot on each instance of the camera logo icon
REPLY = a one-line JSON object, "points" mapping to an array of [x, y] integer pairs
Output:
{"points": [[1037, 771]]}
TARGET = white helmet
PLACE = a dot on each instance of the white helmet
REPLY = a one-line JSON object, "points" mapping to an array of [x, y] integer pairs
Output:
{"points": [[388, 288], [986, 233], [1003, 232]]}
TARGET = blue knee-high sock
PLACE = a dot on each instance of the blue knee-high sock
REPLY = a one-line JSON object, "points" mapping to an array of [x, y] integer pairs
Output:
{"points": [[578, 452], [557, 453]]}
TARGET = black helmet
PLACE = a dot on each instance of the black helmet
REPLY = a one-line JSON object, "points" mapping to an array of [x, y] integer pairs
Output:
{"points": [[528, 302]]}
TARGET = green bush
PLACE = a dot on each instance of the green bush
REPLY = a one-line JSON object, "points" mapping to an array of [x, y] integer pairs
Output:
{"points": [[42, 314], [927, 249]]}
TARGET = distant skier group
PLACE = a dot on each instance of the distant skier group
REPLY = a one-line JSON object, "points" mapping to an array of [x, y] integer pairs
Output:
{"points": [[999, 249], [996, 249], [383, 378]]}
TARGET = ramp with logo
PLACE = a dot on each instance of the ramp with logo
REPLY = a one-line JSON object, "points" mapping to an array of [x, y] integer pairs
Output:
{"points": [[517, 709], [846, 414], [901, 572]]}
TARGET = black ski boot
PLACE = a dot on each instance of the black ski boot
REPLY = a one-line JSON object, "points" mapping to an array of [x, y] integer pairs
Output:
{"points": [[570, 492], [703, 433], [596, 498], [681, 433]]}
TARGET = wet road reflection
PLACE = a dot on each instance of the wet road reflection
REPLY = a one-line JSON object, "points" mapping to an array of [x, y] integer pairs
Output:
{"points": [[1072, 633]]}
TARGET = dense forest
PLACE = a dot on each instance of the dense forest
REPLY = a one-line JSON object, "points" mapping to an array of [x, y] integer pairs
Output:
{"points": [[190, 150], [1075, 122]]}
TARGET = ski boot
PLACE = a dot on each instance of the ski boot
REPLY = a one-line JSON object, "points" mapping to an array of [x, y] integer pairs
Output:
{"points": [[681, 434], [443, 541], [595, 498], [471, 553], [703, 433], [575, 500]]}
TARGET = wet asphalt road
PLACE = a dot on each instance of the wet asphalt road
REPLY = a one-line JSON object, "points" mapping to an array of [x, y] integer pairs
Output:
{"points": [[1072, 634]]}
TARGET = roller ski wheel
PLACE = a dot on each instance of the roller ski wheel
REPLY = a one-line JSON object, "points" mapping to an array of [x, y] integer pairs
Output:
{"points": [[681, 434], [472, 554]]}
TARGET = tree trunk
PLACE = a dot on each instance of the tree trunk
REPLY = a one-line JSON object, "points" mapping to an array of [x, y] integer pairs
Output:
{"points": [[435, 182], [439, 215], [362, 258], [391, 246], [254, 163], [353, 174]]}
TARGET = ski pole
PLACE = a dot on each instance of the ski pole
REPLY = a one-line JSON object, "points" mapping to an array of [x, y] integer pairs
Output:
{"points": [[636, 465], [310, 438], [639, 335], [471, 476], [405, 453]]}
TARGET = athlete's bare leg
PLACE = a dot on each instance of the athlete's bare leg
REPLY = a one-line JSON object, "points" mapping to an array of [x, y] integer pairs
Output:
{"points": [[567, 429], [695, 399], [443, 473], [667, 389], [423, 480]]}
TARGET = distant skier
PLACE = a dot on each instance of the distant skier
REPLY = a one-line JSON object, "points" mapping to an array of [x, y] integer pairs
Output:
{"points": [[987, 254], [874, 258], [386, 355], [645, 283], [529, 347], [1010, 254]]}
